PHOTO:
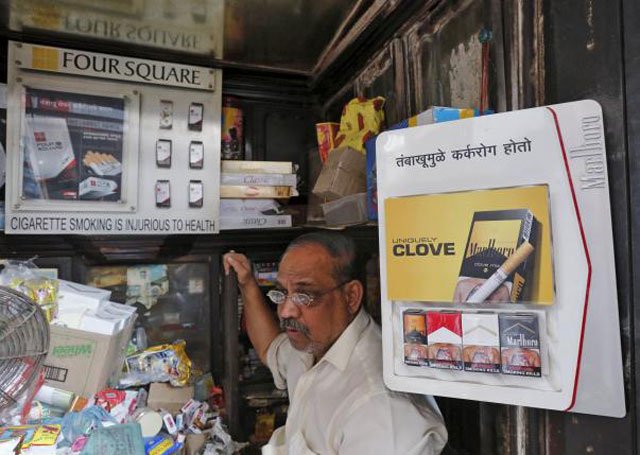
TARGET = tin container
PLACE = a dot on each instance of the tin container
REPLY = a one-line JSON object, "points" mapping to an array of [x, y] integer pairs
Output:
{"points": [[232, 130], [326, 135], [150, 421]]}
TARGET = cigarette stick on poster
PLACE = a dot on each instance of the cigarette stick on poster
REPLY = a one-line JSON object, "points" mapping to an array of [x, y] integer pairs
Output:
{"points": [[481, 293]]}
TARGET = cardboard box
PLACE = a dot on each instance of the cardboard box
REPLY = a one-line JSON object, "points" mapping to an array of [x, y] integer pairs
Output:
{"points": [[347, 210], [167, 397], [342, 174], [84, 362], [194, 443]]}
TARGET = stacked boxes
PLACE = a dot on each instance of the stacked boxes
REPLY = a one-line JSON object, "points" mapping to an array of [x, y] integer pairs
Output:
{"points": [[244, 181]]}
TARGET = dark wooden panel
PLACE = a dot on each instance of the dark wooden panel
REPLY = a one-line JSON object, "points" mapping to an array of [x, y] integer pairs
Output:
{"points": [[332, 109], [584, 59], [231, 364], [384, 76], [274, 132], [444, 53], [631, 17]]}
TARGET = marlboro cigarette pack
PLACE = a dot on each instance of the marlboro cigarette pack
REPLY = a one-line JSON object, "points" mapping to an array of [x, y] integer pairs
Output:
{"points": [[494, 236], [444, 337], [520, 344], [481, 342], [415, 337]]}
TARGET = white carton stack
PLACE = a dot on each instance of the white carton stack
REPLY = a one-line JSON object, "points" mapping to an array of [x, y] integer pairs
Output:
{"points": [[88, 339], [249, 190], [87, 308]]}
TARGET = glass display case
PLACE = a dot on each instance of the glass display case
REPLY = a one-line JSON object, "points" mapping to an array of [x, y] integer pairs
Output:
{"points": [[263, 407], [173, 301]]}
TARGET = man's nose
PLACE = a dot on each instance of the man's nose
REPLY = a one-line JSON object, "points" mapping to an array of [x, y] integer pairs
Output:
{"points": [[288, 309]]}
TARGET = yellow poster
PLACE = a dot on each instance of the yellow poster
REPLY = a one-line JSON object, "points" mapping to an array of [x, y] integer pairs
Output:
{"points": [[484, 246]]}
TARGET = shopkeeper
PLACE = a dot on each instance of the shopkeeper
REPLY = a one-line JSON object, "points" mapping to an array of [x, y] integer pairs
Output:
{"points": [[329, 358]]}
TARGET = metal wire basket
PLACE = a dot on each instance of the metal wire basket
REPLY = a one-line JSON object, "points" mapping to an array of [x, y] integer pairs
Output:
{"points": [[24, 343]]}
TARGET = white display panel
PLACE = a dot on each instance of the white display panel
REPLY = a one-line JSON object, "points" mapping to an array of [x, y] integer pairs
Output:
{"points": [[86, 152], [578, 327]]}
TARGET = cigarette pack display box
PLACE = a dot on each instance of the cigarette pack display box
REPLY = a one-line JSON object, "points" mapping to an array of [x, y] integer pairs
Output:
{"points": [[520, 344], [342, 174], [234, 207], [251, 191], [495, 237], [444, 335], [347, 210], [84, 362], [257, 167], [481, 342], [229, 178], [165, 396], [255, 221]]}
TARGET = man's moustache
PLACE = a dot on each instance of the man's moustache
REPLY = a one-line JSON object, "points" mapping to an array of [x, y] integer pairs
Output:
{"points": [[290, 323]]}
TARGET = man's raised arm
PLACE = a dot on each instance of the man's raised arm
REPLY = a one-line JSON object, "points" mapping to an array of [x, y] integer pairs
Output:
{"points": [[262, 327]]}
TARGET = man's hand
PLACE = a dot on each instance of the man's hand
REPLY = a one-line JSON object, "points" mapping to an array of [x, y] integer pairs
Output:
{"points": [[262, 326], [242, 266]]}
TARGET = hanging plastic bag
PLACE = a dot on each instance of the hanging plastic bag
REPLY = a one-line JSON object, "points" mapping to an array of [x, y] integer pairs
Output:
{"points": [[24, 276], [361, 119]]}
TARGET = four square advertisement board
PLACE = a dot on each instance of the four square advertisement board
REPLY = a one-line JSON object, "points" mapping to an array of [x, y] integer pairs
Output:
{"points": [[104, 144]]}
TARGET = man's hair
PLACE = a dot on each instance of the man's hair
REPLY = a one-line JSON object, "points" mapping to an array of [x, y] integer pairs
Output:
{"points": [[341, 248]]}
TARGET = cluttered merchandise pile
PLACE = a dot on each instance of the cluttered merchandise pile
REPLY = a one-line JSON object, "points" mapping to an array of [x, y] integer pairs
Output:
{"points": [[345, 191], [101, 390]]}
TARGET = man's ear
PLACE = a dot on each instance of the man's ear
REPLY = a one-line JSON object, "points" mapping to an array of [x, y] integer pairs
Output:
{"points": [[354, 292]]}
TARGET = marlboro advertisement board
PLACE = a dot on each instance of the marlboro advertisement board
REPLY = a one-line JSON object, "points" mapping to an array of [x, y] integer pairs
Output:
{"points": [[462, 239], [497, 267], [101, 144]]}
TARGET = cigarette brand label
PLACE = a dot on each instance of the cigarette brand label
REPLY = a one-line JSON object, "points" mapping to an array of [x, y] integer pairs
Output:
{"points": [[72, 350]]}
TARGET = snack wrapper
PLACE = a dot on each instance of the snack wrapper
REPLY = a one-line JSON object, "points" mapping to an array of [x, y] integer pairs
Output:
{"points": [[162, 363], [23, 276]]}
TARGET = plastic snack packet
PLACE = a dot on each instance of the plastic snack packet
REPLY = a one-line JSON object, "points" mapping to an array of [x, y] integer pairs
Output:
{"points": [[162, 363]]}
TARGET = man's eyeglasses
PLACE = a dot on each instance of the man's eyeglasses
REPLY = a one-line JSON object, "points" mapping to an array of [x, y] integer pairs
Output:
{"points": [[300, 299]]}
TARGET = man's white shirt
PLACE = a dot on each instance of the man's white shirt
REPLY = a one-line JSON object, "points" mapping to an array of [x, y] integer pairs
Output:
{"points": [[340, 405]]}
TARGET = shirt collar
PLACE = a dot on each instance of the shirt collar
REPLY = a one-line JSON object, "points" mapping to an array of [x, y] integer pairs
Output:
{"points": [[338, 355]]}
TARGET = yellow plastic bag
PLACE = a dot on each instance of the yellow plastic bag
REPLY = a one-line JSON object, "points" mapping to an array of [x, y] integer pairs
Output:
{"points": [[361, 119]]}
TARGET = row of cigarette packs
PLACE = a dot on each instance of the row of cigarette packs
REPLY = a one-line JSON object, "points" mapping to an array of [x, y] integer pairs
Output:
{"points": [[507, 343]]}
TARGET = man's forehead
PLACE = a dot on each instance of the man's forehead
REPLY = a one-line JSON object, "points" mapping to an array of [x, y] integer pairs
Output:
{"points": [[307, 263]]}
